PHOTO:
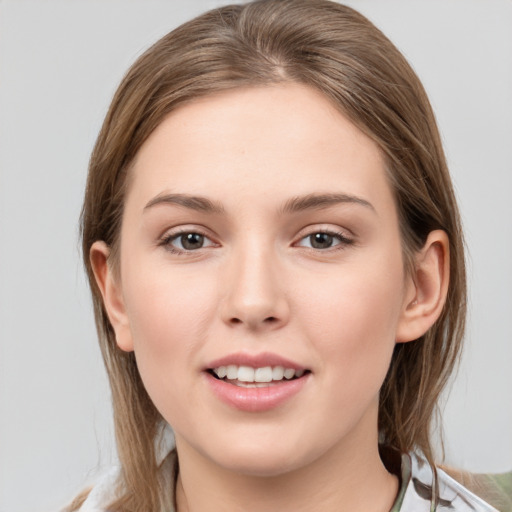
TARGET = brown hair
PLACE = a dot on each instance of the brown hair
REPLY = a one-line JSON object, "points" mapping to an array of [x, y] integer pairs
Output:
{"points": [[337, 51]]}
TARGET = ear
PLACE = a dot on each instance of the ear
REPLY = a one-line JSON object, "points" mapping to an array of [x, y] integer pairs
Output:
{"points": [[110, 289], [426, 288]]}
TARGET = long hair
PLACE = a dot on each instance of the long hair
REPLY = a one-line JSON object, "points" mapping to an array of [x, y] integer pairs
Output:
{"points": [[338, 52]]}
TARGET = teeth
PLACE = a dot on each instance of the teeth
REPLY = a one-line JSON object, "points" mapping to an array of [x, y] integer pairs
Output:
{"points": [[277, 373], [231, 372], [246, 374], [250, 384], [263, 374], [222, 371], [289, 373]]}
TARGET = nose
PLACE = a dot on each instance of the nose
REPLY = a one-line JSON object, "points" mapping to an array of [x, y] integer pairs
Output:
{"points": [[254, 295]]}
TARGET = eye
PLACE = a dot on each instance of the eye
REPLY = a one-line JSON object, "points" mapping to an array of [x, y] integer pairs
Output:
{"points": [[324, 240], [186, 241]]}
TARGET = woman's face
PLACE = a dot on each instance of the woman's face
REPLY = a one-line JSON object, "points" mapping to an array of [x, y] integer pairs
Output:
{"points": [[260, 237]]}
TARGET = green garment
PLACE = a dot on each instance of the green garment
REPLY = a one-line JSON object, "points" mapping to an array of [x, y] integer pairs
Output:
{"points": [[480, 493]]}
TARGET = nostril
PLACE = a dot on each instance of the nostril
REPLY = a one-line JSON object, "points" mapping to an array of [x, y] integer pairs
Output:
{"points": [[269, 321]]}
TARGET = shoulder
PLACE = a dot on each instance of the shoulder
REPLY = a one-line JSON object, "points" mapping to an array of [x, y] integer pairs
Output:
{"points": [[109, 487], [453, 495], [493, 488], [101, 494], [419, 485]]}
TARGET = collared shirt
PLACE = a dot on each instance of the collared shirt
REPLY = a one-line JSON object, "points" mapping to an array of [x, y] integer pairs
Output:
{"points": [[419, 486]]}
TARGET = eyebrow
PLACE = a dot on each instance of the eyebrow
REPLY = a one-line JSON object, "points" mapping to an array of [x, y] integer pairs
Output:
{"points": [[319, 201], [293, 205], [197, 203]]}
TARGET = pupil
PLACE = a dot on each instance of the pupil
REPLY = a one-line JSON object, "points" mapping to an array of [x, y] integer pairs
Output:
{"points": [[321, 240], [192, 241]]}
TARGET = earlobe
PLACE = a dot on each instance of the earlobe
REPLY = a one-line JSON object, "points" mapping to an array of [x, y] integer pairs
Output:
{"points": [[426, 289], [110, 289]]}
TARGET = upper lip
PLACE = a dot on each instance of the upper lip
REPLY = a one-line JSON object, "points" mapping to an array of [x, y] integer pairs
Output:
{"points": [[254, 361]]}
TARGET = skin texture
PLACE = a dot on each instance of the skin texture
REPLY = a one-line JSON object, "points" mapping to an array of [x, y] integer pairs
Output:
{"points": [[257, 285]]}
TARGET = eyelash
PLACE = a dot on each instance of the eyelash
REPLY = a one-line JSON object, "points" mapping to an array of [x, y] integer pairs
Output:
{"points": [[343, 240], [166, 241]]}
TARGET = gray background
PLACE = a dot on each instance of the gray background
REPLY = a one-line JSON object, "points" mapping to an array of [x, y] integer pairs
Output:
{"points": [[60, 62]]}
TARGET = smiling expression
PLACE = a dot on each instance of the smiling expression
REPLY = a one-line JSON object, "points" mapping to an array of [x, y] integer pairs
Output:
{"points": [[261, 278]]}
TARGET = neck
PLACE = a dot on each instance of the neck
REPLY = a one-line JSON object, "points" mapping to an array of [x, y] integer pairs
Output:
{"points": [[350, 477]]}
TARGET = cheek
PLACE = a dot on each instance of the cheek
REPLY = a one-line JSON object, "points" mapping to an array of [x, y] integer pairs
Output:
{"points": [[353, 322], [166, 303], [168, 313]]}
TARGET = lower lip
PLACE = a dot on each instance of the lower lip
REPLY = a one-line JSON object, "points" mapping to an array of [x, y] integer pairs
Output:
{"points": [[256, 399]]}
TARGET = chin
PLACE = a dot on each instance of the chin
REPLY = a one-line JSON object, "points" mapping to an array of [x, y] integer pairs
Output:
{"points": [[261, 459], [260, 466]]}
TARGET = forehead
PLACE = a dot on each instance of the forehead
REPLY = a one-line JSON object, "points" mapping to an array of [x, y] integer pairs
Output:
{"points": [[245, 143]]}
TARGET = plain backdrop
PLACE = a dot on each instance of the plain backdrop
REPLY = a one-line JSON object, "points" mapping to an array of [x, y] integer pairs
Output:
{"points": [[60, 62]]}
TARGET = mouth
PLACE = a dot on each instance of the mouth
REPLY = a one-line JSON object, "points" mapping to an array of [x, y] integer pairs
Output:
{"points": [[261, 377], [256, 382]]}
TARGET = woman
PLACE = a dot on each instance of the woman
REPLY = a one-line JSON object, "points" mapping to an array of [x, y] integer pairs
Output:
{"points": [[277, 268]]}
